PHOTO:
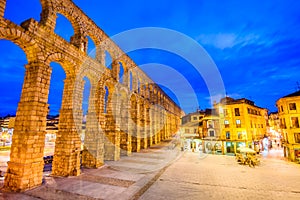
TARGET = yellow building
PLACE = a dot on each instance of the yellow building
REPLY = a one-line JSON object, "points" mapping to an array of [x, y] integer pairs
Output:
{"points": [[241, 123], [289, 113]]}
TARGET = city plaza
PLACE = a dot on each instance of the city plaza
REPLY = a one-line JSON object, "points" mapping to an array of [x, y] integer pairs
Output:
{"points": [[165, 172]]}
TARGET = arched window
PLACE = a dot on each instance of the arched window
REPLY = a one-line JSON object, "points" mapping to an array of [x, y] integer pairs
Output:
{"points": [[121, 73], [108, 60], [130, 82], [106, 99], [139, 85]]}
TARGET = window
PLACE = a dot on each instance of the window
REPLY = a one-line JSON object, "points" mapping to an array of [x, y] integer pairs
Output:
{"points": [[297, 137], [249, 111], [240, 136], [295, 122], [225, 112], [187, 130], [237, 112], [292, 106], [251, 124], [262, 126], [226, 122], [227, 135], [195, 130], [212, 133], [195, 118], [210, 124], [281, 108], [238, 123]]}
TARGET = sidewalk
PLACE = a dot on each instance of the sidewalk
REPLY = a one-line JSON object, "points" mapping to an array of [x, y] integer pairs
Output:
{"points": [[125, 179]]}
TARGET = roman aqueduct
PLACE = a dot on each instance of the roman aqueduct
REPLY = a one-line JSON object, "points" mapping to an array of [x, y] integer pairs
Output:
{"points": [[127, 110]]}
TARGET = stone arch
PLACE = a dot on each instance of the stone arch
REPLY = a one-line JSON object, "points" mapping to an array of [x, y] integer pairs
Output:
{"points": [[67, 64], [73, 18], [23, 40]]}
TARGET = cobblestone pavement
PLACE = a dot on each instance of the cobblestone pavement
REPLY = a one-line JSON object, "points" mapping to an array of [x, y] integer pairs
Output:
{"points": [[221, 177]]}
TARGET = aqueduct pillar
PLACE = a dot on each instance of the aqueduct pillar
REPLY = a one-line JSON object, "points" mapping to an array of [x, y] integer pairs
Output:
{"points": [[67, 146], [93, 153], [25, 168]]}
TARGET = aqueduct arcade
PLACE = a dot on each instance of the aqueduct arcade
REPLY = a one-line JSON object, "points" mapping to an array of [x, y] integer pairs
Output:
{"points": [[127, 110]]}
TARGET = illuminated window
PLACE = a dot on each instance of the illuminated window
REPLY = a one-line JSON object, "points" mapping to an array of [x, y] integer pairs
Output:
{"points": [[226, 123], [227, 135], [238, 123], [292, 106], [295, 122], [240, 135], [297, 137]]}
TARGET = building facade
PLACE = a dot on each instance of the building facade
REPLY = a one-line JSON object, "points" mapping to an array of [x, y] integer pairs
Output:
{"points": [[210, 126], [289, 114], [190, 131], [242, 123]]}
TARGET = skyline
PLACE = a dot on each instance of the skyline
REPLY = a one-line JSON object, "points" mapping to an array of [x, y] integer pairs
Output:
{"points": [[254, 47]]}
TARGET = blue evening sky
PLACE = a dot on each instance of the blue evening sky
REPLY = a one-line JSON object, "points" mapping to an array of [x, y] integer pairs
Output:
{"points": [[254, 44]]}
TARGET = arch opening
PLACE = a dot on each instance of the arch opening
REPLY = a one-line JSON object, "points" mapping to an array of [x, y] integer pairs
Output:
{"points": [[12, 61], [63, 27], [121, 73], [108, 60], [106, 95], [91, 48]]}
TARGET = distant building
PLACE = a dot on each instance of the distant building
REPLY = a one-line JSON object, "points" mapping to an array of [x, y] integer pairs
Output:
{"points": [[190, 130], [289, 114], [242, 123], [51, 128], [210, 125], [6, 130], [274, 130]]}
